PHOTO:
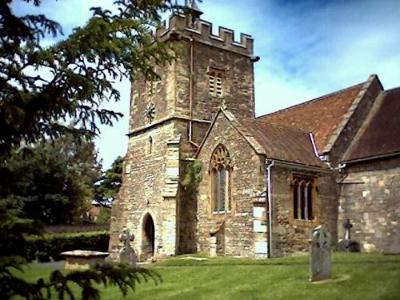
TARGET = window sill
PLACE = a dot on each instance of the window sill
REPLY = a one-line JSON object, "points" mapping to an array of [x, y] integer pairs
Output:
{"points": [[221, 212], [306, 223]]}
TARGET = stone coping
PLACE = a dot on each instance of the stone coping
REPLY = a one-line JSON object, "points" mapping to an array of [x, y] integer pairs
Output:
{"points": [[84, 253]]}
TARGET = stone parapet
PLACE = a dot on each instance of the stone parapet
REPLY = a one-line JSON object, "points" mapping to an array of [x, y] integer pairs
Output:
{"points": [[202, 31]]}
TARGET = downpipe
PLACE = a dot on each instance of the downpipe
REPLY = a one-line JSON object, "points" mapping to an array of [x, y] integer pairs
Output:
{"points": [[269, 164]]}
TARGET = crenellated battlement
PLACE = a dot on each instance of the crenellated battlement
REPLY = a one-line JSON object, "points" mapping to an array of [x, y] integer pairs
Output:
{"points": [[201, 31]]}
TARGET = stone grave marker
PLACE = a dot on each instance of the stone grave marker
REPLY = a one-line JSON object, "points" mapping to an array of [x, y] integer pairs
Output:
{"points": [[347, 244], [127, 254], [320, 261]]}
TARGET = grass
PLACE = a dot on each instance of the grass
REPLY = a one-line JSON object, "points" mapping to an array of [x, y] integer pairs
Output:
{"points": [[355, 276]]}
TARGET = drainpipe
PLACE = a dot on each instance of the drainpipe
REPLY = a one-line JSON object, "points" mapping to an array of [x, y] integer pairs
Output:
{"points": [[191, 90], [314, 145], [269, 164]]}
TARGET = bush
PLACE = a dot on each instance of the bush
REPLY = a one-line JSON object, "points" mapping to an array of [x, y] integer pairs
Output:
{"points": [[49, 247]]}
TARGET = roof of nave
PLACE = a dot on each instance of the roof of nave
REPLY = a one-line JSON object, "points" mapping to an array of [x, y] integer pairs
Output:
{"points": [[323, 116]]}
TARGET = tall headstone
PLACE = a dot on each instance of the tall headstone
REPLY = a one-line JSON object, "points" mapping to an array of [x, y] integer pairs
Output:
{"points": [[127, 254], [320, 262]]}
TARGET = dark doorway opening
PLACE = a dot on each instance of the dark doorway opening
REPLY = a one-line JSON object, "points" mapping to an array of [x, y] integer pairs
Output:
{"points": [[148, 237]]}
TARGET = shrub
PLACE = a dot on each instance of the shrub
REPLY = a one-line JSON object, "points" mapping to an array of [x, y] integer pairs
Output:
{"points": [[49, 247]]}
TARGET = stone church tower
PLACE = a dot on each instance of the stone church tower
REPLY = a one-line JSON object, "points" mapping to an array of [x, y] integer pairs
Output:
{"points": [[168, 120]]}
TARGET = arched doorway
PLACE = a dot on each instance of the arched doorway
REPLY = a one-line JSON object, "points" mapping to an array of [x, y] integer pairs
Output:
{"points": [[148, 234]]}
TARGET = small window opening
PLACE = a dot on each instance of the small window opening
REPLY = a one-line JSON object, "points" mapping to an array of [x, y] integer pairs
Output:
{"points": [[150, 145], [302, 196], [215, 84]]}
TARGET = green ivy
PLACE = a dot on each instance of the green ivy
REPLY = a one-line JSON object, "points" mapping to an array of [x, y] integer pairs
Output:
{"points": [[192, 178]]}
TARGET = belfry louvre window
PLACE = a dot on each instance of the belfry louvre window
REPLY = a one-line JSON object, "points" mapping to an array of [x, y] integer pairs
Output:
{"points": [[215, 84], [220, 170], [303, 197]]}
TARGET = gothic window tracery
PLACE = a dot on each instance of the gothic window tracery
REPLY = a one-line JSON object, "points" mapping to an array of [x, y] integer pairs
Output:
{"points": [[303, 198], [220, 169]]}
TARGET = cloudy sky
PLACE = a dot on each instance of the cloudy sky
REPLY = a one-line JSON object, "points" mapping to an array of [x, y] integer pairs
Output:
{"points": [[307, 47]]}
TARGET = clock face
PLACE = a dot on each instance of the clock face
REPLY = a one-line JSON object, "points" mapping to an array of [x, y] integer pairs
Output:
{"points": [[150, 112]]}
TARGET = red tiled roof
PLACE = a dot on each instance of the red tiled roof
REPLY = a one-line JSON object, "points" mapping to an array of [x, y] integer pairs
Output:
{"points": [[283, 143], [321, 116], [380, 134]]}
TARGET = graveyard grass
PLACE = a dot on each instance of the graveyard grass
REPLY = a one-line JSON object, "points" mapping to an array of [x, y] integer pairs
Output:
{"points": [[354, 276]]}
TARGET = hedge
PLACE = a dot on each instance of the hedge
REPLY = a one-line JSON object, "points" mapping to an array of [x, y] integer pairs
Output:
{"points": [[48, 247]]}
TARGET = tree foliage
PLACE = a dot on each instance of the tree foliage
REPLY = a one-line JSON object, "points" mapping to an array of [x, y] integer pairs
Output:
{"points": [[107, 188], [53, 182], [44, 89], [41, 88], [60, 285]]}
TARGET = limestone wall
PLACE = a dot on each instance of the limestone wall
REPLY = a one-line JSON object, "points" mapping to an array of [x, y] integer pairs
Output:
{"points": [[247, 184], [150, 185], [370, 198], [292, 235]]}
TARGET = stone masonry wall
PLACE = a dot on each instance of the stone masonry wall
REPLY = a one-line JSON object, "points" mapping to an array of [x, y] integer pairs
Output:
{"points": [[370, 198], [148, 187], [247, 183], [289, 235]]}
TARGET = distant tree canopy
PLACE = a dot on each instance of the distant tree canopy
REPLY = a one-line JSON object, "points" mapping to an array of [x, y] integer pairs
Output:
{"points": [[43, 90], [53, 181], [107, 188]]}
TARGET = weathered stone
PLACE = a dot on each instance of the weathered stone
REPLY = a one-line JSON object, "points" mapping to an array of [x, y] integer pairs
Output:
{"points": [[166, 220], [127, 254], [83, 259], [375, 217], [320, 260]]}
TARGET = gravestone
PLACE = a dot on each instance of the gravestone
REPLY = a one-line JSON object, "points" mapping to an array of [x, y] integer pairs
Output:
{"points": [[127, 254], [320, 262], [347, 244]]}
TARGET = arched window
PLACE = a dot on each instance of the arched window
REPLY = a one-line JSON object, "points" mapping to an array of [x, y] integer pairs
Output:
{"points": [[303, 197], [220, 169]]}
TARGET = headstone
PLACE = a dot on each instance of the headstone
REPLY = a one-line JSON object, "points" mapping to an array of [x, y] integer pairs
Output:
{"points": [[127, 254], [320, 262], [347, 226], [347, 244]]}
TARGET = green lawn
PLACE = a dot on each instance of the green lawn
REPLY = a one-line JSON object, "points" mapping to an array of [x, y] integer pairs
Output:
{"points": [[355, 276]]}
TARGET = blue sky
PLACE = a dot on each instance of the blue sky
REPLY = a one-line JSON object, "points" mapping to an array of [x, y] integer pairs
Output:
{"points": [[307, 47]]}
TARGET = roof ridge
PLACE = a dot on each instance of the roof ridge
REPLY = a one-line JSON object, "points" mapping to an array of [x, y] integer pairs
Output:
{"points": [[313, 100], [392, 89]]}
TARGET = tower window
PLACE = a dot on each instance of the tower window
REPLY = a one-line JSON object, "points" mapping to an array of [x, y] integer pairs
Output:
{"points": [[303, 198], [221, 169], [150, 145], [215, 84]]}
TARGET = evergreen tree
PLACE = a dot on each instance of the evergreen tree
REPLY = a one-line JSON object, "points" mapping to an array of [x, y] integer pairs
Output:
{"points": [[53, 181], [44, 88]]}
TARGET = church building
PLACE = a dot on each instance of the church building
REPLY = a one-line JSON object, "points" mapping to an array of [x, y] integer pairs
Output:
{"points": [[203, 174]]}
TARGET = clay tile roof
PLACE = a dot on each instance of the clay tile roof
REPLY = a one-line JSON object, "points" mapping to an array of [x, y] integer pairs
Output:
{"points": [[379, 135], [283, 143], [321, 116]]}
